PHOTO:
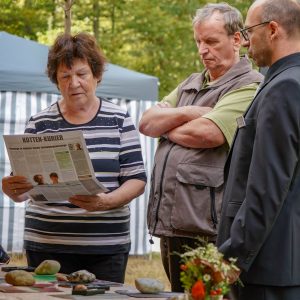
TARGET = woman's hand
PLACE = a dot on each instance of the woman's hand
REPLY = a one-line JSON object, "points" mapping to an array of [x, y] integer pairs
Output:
{"points": [[118, 198], [93, 202], [16, 187]]}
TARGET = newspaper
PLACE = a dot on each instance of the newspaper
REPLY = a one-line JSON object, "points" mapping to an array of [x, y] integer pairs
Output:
{"points": [[57, 164]]}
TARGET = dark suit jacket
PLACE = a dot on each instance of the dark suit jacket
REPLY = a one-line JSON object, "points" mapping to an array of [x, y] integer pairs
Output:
{"points": [[260, 222]]}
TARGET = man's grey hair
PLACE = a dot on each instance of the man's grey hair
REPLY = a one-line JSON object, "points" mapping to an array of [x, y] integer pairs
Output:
{"points": [[233, 20], [285, 12]]}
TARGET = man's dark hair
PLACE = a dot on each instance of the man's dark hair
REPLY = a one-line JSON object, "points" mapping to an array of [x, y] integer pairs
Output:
{"points": [[38, 178]]}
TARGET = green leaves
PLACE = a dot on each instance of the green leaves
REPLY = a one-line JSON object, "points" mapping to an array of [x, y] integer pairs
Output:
{"points": [[154, 37]]}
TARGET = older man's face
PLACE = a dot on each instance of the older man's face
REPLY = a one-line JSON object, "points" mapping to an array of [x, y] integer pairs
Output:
{"points": [[218, 50]]}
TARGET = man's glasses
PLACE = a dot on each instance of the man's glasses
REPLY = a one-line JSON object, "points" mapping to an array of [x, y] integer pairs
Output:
{"points": [[244, 31]]}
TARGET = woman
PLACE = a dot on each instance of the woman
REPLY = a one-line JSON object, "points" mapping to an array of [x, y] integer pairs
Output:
{"points": [[87, 232]]}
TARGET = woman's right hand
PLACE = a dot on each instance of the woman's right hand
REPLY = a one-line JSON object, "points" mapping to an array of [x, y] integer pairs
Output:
{"points": [[16, 187]]}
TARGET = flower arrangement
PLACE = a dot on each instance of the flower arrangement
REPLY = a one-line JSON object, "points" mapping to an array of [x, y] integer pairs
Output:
{"points": [[205, 274]]}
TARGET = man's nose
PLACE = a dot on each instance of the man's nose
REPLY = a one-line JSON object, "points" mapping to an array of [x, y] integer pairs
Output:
{"points": [[202, 49], [245, 43]]}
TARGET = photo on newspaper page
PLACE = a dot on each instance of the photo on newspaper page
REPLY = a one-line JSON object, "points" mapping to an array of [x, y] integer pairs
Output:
{"points": [[57, 164]]}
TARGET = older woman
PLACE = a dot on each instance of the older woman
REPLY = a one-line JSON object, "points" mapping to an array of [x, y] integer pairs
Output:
{"points": [[87, 232]]}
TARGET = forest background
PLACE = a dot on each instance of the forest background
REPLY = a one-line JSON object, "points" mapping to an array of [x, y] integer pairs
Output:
{"points": [[154, 37]]}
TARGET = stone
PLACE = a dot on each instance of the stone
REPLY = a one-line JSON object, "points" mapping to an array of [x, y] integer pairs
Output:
{"points": [[19, 278], [81, 276], [80, 287], [149, 285], [61, 277], [47, 267]]}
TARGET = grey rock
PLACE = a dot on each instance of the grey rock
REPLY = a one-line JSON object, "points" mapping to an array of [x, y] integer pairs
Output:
{"points": [[149, 285], [81, 276]]}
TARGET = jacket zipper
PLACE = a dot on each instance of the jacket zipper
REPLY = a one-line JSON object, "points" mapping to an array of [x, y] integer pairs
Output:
{"points": [[160, 194], [163, 173], [213, 212]]}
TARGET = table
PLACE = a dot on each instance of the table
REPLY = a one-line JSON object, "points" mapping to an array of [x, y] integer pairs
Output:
{"points": [[66, 293]]}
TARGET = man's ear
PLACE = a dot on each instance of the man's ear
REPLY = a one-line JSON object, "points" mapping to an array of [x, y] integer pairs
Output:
{"points": [[237, 41], [273, 28]]}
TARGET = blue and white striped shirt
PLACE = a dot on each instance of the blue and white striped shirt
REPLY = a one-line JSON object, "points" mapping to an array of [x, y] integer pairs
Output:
{"points": [[115, 151]]}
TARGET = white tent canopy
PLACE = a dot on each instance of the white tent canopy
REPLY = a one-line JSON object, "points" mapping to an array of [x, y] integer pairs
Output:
{"points": [[25, 90]]}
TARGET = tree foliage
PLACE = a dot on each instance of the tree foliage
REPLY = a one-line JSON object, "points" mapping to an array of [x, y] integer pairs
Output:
{"points": [[154, 37]]}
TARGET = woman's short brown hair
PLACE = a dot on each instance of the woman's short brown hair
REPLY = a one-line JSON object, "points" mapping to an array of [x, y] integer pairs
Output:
{"points": [[68, 47]]}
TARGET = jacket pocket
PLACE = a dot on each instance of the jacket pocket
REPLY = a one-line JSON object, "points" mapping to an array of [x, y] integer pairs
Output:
{"points": [[246, 136], [198, 197], [232, 209]]}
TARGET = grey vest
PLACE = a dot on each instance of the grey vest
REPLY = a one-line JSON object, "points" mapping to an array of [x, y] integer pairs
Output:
{"points": [[187, 184]]}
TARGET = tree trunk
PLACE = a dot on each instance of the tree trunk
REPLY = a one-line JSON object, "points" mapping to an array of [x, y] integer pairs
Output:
{"points": [[96, 19], [68, 21], [113, 18], [53, 15]]}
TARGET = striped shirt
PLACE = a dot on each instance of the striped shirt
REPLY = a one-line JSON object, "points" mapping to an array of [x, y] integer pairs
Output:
{"points": [[115, 152]]}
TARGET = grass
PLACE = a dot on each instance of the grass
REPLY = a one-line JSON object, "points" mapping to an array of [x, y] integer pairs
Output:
{"points": [[138, 266], [146, 266]]}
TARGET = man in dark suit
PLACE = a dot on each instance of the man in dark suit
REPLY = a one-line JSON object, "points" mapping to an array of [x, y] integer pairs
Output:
{"points": [[260, 220]]}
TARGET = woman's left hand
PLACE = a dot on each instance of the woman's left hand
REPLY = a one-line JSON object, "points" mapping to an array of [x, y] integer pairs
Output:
{"points": [[93, 202], [121, 196]]}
